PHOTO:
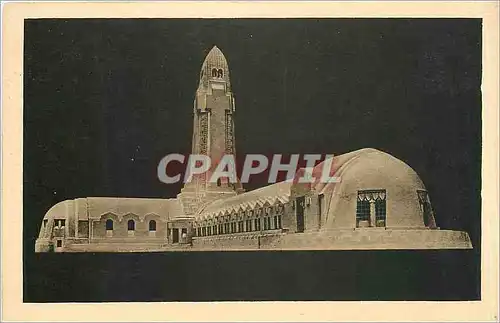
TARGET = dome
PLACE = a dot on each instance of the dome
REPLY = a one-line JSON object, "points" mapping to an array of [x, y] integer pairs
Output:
{"points": [[59, 210], [63, 210], [368, 170], [215, 58]]}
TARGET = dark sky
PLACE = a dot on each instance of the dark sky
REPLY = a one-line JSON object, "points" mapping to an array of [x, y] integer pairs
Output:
{"points": [[105, 100]]}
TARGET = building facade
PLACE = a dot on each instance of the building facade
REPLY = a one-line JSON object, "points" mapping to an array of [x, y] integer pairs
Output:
{"points": [[213, 132], [379, 203]]}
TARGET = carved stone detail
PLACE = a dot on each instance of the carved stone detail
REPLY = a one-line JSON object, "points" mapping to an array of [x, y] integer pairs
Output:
{"points": [[229, 133]]}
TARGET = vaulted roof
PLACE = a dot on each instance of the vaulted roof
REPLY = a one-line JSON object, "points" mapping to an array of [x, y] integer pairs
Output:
{"points": [[268, 195]]}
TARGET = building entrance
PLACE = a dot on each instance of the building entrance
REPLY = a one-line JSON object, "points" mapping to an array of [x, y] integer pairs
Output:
{"points": [[175, 235]]}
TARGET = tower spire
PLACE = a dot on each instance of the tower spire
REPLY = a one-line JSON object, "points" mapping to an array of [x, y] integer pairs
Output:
{"points": [[214, 66], [213, 132]]}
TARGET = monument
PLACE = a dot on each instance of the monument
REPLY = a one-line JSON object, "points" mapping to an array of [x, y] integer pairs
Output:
{"points": [[379, 202]]}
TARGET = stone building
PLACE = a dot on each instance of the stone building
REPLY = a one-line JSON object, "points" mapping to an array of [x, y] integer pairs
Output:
{"points": [[379, 203]]}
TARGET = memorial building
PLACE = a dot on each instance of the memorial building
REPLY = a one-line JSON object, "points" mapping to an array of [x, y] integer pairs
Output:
{"points": [[379, 202]]}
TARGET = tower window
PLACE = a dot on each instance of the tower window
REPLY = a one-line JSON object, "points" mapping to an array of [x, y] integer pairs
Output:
{"points": [[109, 225], [152, 225], [130, 225], [214, 72], [220, 73]]}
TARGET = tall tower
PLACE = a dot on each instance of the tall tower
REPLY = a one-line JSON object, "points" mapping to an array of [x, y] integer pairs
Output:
{"points": [[213, 132]]}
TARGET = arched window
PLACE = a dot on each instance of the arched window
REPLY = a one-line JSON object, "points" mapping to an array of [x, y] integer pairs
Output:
{"points": [[220, 73], [152, 225], [130, 225], [109, 224], [214, 72]]}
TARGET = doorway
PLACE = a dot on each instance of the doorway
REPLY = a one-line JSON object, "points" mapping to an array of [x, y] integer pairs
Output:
{"points": [[300, 213], [175, 235]]}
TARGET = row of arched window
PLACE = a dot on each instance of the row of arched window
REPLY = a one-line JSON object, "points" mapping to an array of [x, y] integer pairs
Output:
{"points": [[130, 225], [249, 225], [265, 218]]}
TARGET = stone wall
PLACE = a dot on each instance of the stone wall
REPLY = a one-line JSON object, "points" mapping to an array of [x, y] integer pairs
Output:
{"points": [[115, 247], [338, 240], [239, 241], [371, 239], [361, 239]]}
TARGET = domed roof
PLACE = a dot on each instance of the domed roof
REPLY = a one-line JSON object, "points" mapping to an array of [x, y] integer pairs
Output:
{"points": [[215, 68], [371, 169], [59, 210], [95, 207], [215, 58], [373, 164], [275, 193]]}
